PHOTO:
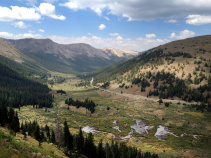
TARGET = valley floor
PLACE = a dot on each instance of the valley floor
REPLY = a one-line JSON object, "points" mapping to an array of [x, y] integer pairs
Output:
{"points": [[174, 131]]}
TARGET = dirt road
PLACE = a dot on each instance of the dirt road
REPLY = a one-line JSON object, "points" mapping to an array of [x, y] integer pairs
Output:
{"points": [[143, 97]]}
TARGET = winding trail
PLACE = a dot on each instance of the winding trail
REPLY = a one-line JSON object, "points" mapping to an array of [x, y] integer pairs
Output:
{"points": [[143, 97]]}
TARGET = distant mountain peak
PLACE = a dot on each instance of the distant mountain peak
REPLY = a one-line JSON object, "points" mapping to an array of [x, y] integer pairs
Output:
{"points": [[120, 52], [81, 56]]}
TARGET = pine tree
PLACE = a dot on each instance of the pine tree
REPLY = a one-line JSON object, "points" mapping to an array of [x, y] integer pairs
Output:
{"points": [[11, 114], [53, 139], [90, 148], [47, 130], [68, 138], [80, 141], [37, 134], [2, 119], [108, 151], [29, 128], [100, 150], [15, 125], [4, 114]]}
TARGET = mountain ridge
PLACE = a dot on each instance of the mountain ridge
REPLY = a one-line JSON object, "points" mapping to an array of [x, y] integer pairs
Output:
{"points": [[78, 57]]}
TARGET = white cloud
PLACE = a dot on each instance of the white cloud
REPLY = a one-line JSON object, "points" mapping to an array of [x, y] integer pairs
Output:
{"points": [[18, 13], [173, 35], [198, 19], [102, 27], [119, 38], [150, 35], [107, 18], [20, 24], [172, 21], [114, 34], [31, 14], [48, 9], [30, 31], [72, 5], [6, 34], [139, 44], [19, 36], [41, 30], [183, 34], [143, 9]]}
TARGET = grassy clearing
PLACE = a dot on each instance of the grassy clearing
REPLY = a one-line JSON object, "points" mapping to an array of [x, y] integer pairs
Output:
{"points": [[28, 113]]}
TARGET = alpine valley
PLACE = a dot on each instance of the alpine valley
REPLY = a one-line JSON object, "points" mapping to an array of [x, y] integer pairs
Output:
{"points": [[75, 100]]}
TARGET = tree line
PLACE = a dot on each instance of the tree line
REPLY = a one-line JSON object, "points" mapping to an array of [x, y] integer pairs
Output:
{"points": [[173, 86], [88, 104], [84, 145]]}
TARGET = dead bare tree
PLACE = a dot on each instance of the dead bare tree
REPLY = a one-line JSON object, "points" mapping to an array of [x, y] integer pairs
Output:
{"points": [[58, 132]]}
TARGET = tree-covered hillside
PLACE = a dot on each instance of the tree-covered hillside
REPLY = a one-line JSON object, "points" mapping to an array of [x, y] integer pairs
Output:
{"points": [[16, 89]]}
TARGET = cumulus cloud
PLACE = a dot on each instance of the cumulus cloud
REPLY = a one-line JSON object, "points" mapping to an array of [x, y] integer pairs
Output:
{"points": [[72, 5], [150, 35], [143, 9], [48, 9], [20, 24], [102, 27], [6, 34], [18, 13], [19, 36], [139, 44], [119, 38], [198, 19], [31, 14], [114, 34], [183, 34], [41, 30]]}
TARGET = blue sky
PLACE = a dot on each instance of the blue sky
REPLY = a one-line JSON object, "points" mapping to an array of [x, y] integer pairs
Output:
{"points": [[123, 24]]}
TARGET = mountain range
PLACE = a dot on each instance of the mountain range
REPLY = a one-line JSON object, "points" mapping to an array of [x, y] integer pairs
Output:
{"points": [[69, 58]]}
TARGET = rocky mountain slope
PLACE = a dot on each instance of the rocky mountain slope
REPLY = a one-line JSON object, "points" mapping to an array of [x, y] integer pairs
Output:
{"points": [[78, 57], [10, 52], [119, 52]]}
